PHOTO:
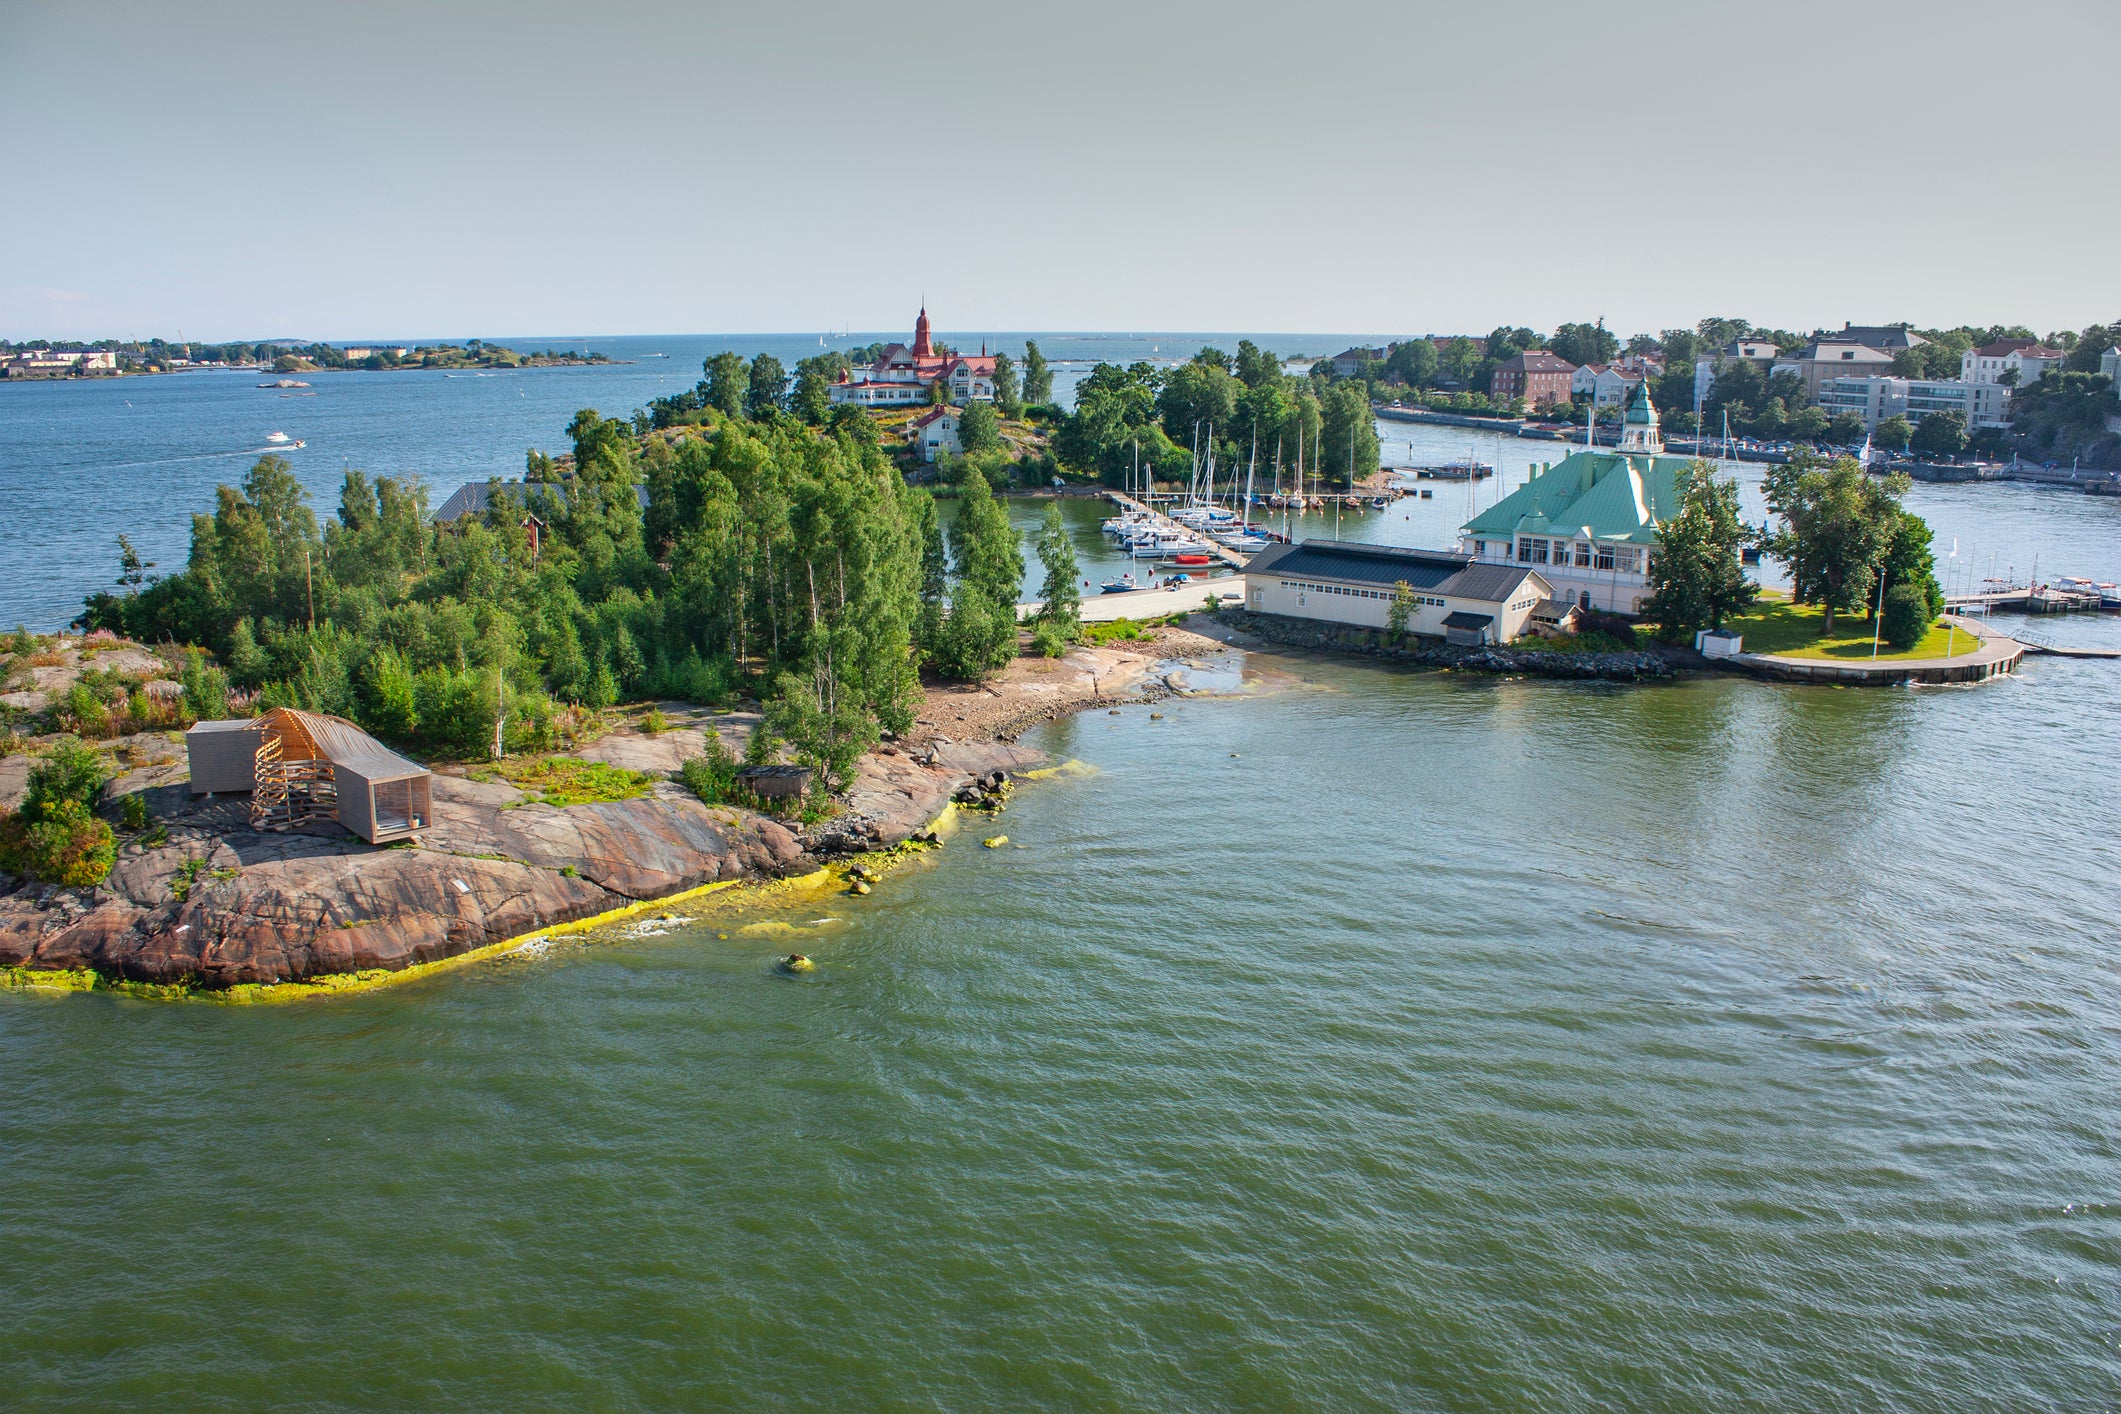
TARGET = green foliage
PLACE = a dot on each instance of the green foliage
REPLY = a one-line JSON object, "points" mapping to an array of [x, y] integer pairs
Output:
{"points": [[1894, 434], [69, 773], [1038, 378], [205, 688], [1585, 343], [1837, 524], [766, 388], [728, 383], [654, 723], [1008, 392], [455, 712], [1048, 641], [712, 774], [132, 812], [2065, 415], [568, 780], [1941, 434], [979, 636], [979, 428], [1113, 631], [1061, 609], [66, 846], [1695, 575], [1907, 616], [1401, 611]]}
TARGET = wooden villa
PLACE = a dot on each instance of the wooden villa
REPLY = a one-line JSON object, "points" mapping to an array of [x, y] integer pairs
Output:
{"points": [[303, 766]]}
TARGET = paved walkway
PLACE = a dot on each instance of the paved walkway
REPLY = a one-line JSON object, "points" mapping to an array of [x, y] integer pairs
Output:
{"points": [[1996, 654], [1148, 603]]}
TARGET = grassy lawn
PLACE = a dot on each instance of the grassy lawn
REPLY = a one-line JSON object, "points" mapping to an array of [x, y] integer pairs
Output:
{"points": [[1792, 631]]}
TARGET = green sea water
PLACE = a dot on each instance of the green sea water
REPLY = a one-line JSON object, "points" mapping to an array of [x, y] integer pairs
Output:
{"points": [[1368, 1040]]}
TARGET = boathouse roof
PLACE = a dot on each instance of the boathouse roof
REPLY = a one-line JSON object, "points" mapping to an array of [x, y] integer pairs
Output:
{"points": [[1430, 571]]}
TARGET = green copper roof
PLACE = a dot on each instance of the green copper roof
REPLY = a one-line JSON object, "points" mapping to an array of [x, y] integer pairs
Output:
{"points": [[1640, 410], [1604, 495]]}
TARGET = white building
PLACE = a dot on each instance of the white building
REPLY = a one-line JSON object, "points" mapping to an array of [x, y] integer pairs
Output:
{"points": [[2028, 358], [1605, 384], [64, 360], [1875, 399], [935, 432], [903, 375], [2110, 365], [1456, 598]]}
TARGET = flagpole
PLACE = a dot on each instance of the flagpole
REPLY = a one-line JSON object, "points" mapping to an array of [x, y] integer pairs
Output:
{"points": [[1878, 618]]}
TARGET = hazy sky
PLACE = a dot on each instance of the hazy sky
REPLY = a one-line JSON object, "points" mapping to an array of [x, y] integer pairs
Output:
{"points": [[343, 171]]}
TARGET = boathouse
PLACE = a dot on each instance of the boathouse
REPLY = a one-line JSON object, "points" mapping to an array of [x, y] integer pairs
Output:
{"points": [[1338, 581], [1588, 524], [303, 766]]}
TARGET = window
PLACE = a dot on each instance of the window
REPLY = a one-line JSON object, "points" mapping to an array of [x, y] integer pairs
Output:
{"points": [[1583, 555], [1604, 558]]}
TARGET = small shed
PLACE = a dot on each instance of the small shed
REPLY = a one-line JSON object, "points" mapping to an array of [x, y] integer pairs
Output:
{"points": [[1467, 630], [302, 766], [224, 756], [1718, 643], [774, 782]]}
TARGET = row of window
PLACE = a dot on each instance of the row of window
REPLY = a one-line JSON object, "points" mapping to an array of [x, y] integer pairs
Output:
{"points": [[1532, 550], [1347, 593]]}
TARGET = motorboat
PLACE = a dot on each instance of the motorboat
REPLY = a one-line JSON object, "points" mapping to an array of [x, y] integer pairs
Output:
{"points": [[284, 383], [1193, 558], [1123, 585], [2110, 596], [277, 438], [1245, 542]]}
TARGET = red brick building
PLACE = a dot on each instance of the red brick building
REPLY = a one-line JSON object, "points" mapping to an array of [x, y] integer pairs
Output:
{"points": [[1538, 377]]}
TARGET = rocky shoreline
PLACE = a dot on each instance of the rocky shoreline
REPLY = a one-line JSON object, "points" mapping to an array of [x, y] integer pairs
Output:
{"points": [[203, 901], [1243, 628]]}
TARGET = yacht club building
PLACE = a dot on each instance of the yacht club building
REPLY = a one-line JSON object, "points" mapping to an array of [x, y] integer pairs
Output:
{"points": [[1588, 524], [1339, 581]]}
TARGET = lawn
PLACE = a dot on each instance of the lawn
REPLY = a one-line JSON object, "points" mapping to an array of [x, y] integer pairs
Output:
{"points": [[1792, 631]]}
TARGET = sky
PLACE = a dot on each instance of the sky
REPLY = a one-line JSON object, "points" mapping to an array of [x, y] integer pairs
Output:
{"points": [[422, 170]]}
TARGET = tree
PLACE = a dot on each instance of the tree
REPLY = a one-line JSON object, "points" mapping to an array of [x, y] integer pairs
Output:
{"points": [[1894, 433], [1909, 560], [1062, 608], [1846, 429], [980, 634], [1038, 379], [1942, 434], [1413, 361], [1585, 343], [728, 383], [1257, 368], [1905, 617], [1401, 612], [1696, 578], [978, 428], [1347, 445], [1837, 524], [1008, 394], [132, 570], [767, 387]]}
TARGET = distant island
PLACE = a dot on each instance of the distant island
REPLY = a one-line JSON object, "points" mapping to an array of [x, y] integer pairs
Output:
{"points": [[110, 358]]}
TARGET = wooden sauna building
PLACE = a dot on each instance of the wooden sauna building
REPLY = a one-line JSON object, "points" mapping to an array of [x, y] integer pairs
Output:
{"points": [[304, 766]]}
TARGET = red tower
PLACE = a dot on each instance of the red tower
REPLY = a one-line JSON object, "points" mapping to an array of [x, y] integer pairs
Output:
{"points": [[921, 347]]}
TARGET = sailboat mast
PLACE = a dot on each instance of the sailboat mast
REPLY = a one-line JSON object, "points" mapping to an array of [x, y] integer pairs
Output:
{"points": [[1250, 467]]}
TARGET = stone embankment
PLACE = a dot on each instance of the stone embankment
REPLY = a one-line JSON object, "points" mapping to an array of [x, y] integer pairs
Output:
{"points": [[1244, 628]]}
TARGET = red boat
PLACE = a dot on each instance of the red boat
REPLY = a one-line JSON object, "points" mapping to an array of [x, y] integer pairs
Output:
{"points": [[1192, 559]]}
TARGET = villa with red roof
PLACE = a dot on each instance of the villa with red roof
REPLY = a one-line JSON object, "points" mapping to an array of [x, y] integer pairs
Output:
{"points": [[903, 375]]}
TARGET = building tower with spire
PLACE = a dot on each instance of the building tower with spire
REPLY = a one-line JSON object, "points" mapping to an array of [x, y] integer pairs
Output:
{"points": [[922, 348], [1639, 433]]}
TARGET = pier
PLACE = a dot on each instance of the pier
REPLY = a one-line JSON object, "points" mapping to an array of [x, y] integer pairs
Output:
{"points": [[1125, 502], [2026, 599]]}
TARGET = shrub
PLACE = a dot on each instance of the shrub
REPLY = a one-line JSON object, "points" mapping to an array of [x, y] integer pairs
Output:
{"points": [[1118, 630], [132, 812], [655, 723], [1048, 641], [69, 773], [84, 712], [711, 775], [68, 846], [1907, 616], [568, 780], [456, 711], [532, 725]]}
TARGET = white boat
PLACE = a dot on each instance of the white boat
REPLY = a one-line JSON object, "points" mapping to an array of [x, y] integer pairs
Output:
{"points": [[1123, 585], [1245, 542], [2110, 596], [276, 438]]}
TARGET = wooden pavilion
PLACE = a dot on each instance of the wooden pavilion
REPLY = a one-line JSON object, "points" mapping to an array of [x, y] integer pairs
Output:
{"points": [[307, 766]]}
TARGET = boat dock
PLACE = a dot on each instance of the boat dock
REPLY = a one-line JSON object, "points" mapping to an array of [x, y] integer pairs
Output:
{"points": [[1127, 503], [2026, 599]]}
